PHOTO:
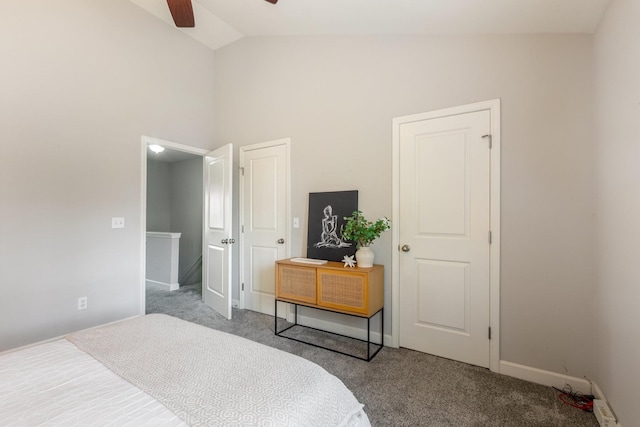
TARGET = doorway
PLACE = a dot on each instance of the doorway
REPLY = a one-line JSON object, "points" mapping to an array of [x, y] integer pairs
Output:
{"points": [[445, 289], [172, 202]]}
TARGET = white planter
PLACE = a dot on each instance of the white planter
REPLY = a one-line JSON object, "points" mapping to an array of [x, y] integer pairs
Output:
{"points": [[364, 257]]}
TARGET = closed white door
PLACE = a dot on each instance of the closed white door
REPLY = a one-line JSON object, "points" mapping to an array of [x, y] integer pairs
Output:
{"points": [[264, 218], [217, 239], [444, 236]]}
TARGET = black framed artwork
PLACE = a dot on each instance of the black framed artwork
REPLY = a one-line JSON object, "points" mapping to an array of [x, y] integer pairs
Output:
{"points": [[326, 217]]}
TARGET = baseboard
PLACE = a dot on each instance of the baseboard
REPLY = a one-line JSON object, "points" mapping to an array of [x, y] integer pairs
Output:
{"points": [[553, 379], [339, 328], [599, 394], [161, 286], [548, 378]]}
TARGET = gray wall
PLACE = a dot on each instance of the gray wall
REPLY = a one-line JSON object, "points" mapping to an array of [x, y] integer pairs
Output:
{"points": [[617, 292], [81, 82], [158, 196], [336, 97], [186, 214]]}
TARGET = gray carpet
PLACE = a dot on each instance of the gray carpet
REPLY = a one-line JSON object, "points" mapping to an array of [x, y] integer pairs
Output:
{"points": [[399, 387]]}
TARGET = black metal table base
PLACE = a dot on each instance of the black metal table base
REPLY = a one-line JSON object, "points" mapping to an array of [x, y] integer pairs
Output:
{"points": [[370, 355]]}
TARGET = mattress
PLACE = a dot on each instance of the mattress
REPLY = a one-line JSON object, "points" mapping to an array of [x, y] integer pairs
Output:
{"points": [[56, 384], [161, 371]]}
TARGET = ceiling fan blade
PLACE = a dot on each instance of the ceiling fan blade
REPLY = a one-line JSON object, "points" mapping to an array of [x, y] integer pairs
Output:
{"points": [[182, 13], [272, 1]]}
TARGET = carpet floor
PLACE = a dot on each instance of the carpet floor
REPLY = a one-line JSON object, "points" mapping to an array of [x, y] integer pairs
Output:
{"points": [[399, 387]]}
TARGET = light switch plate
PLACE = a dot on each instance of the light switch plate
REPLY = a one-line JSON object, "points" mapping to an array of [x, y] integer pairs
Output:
{"points": [[117, 222], [296, 222]]}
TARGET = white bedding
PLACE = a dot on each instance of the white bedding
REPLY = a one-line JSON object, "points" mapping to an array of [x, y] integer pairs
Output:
{"points": [[56, 384], [188, 372]]}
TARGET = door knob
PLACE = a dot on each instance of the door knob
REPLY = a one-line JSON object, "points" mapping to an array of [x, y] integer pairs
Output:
{"points": [[405, 248], [231, 241], [224, 241], [281, 241]]}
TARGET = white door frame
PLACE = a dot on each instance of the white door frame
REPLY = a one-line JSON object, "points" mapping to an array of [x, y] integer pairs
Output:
{"points": [[494, 250], [287, 233], [146, 141]]}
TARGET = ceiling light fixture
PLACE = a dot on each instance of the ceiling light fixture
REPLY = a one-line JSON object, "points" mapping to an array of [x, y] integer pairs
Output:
{"points": [[156, 148]]}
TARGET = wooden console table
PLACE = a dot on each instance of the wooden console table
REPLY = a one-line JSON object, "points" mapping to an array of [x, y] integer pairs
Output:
{"points": [[332, 287]]}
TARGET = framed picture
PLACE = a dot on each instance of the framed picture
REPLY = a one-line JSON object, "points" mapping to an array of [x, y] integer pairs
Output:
{"points": [[326, 216]]}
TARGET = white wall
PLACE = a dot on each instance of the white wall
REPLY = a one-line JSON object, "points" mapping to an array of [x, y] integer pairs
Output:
{"points": [[617, 316], [81, 82], [336, 96]]}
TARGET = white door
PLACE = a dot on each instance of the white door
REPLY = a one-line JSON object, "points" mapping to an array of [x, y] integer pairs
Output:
{"points": [[217, 239], [264, 199], [444, 225]]}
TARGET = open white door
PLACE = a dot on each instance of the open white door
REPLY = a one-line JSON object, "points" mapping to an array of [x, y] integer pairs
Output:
{"points": [[217, 240]]}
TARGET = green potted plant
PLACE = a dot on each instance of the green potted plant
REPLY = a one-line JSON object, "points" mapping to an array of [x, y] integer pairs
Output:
{"points": [[363, 232]]}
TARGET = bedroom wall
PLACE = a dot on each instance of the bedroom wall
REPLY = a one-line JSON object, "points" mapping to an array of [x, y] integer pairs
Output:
{"points": [[81, 82], [617, 342], [336, 97]]}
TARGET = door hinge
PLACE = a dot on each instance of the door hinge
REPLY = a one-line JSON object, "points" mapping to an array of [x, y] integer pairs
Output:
{"points": [[489, 332], [241, 170], [243, 286], [490, 140], [490, 237]]}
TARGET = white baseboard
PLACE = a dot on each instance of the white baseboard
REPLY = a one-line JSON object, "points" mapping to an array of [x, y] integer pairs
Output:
{"points": [[599, 394], [161, 286], [339, 328], [553, 379], [548, 378]]}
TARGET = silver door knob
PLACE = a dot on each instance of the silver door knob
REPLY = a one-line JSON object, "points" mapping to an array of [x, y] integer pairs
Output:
{"points": [[405, 248], [224, 241], [281, 241], [231, 241]]}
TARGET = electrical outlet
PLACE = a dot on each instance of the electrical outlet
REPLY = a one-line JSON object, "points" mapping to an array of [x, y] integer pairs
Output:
{"points": [[82, 303], [117, 222]]}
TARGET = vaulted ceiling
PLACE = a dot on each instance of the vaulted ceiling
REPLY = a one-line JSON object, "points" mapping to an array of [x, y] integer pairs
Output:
{"points": [[221, 22]]}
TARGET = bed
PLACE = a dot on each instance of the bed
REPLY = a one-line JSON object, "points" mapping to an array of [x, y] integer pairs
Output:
{"points": [[157, 370]]}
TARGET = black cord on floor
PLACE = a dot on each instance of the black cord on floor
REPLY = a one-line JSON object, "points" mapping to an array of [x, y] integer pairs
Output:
{"points": [[575, 399]]}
